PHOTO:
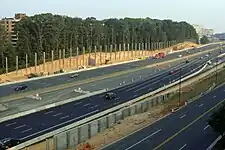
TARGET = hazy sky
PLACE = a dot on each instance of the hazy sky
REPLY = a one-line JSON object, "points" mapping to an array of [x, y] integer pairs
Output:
{"points": [[209, 13]]}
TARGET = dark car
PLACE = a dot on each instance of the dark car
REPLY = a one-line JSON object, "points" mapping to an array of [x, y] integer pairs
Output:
{"points": [[110, 95], [187, 61], [8, 143], [21, 87]]}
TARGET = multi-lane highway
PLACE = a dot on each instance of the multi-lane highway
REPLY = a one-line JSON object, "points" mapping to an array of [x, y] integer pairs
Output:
{"points": [[28, 101], [28, 127], [185, 129], [63, 79]]}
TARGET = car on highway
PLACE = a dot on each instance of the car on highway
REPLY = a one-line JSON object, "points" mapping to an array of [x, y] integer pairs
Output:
{"points": [[74, 75], [179, 55], [187, 61], [171, 72], [207, 55], [110, 95], [221, 52], [8, 143], [21, 87]]}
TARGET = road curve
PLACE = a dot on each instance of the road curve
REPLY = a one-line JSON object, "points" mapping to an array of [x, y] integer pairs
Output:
{"points": [[28, 127], [58, 80]]}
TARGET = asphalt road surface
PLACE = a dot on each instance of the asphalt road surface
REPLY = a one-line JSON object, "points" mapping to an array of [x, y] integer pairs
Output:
{"points": [[185, 129], [30, 101], [28, 127], [53, 81]]}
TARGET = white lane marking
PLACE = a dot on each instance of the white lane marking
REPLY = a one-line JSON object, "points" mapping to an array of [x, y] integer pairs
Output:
{"points": [[60, 124], [57, 114], [10, 124], [49, 112], [201, 105], [87, 104], [135, 95], [143, 139], [93, 84], [77, 103], [183, 147], [206, 127], [214, 96], [182, 116], [64, 117], [26, 130], [20, 126], [96, 106], [141, 88]]}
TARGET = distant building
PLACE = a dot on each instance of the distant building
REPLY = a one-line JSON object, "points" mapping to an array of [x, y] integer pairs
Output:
{"points": [[203, 31], [9, 25]]}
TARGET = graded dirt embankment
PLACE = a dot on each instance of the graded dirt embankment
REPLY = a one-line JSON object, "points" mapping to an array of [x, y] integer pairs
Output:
{"points": [[71, 64]]}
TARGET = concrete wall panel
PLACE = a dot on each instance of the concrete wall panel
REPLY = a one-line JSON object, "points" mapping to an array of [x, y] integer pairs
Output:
{"points": [[144, 106], [111, 119], [83, 133], [93, 126], [132, 110], [102, 124], [73, 138], [119, 116], [126, 112], [61, 141]]}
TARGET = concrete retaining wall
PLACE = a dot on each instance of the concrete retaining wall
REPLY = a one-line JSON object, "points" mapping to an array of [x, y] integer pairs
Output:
{"points": [[73, 137]]}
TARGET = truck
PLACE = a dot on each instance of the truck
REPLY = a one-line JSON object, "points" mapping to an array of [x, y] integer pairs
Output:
{"points": [[159, 55]]}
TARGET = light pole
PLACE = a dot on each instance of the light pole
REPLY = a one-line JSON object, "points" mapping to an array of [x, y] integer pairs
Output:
{"points": [[180, 88]]}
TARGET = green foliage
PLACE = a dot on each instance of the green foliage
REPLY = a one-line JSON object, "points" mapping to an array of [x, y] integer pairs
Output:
{"points": [[204, 40], [47, 32], [217, 120]]}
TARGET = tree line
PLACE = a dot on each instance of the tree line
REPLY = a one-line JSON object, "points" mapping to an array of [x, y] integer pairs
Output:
{"points": [[46, 32]]}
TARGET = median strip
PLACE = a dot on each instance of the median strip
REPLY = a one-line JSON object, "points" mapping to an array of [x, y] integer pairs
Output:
{"points": [[68, 85]]}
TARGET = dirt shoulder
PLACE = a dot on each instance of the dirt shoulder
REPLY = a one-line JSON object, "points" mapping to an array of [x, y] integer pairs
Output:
{"points": [[100, 58]]}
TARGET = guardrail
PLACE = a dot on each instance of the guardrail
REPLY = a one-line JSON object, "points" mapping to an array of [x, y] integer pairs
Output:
{"points": [[50, 106], [87, 69], [108, 111]]}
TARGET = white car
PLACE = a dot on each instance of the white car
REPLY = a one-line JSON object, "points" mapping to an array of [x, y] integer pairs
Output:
{"points": [[74, 75], [179, 55]]}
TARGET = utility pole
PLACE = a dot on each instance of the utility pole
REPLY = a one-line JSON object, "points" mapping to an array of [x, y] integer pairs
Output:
{"points": [[180, 88]]}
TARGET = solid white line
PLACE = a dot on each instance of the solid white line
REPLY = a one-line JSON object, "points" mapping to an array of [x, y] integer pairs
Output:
{"points": [[142, 88], [183, 147], [10, 124], [143, 139], [201, 105], [86, 104], [57, 114], [214, 143], [182, 116], [48, 112], [135, 95], [26, 130], [60, 124], [64, 117], [206, 127], [20, 126]]}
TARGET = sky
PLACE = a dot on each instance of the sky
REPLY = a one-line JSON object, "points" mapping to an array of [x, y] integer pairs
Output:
{"points": [[209, 13]]}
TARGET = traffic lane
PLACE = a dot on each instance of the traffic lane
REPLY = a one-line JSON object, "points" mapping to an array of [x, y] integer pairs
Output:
{"points": [[52, 81], [24, 104], [51, 97], [198, 136], [99, 100], [144, 137], [186, 117], [89, 107]]}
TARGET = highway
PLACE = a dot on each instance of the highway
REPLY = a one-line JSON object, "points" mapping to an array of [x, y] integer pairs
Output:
{"points": [[28, 127], [28, 101], [64, 79], [185, 129]]}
